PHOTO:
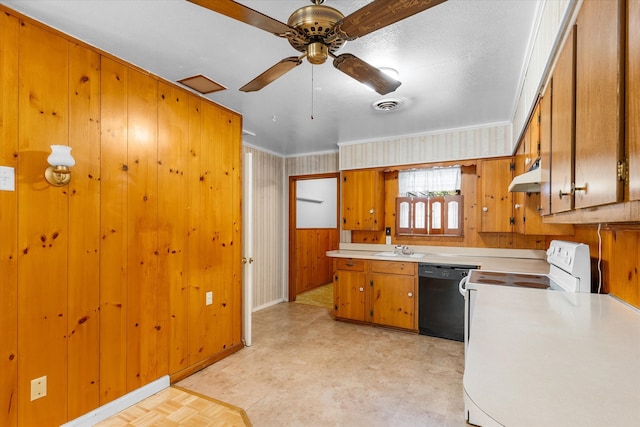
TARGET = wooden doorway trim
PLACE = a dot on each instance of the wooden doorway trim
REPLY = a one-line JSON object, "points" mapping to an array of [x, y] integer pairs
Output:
{"points": [[292, 223]]}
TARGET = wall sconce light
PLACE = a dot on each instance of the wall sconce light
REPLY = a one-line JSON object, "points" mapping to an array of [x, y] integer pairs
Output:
{"points": [[60, 159]]}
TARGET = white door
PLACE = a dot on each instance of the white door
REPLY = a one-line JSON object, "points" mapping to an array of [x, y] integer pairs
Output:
{"points": [[247, 247]]}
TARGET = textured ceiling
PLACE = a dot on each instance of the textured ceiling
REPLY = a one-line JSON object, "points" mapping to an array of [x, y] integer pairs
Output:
{"points": [[461, 64]]}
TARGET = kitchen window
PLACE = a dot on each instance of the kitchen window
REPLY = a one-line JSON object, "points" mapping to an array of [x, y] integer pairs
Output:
{"points": [[429, 202]]}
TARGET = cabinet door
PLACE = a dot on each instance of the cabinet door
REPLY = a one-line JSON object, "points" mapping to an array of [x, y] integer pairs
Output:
{"points": [[363, 200], [519, 197], [599, 103], [563, 127], [495, 198], [545, 150], [633, 97], [393, 300], [528, 207], [349, 294]]}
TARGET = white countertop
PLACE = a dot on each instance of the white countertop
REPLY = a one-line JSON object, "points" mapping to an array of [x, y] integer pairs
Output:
{"points": [[513, 260], [550, 358]]}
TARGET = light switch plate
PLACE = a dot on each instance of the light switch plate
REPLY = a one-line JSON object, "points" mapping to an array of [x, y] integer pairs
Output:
{"points": [[7, 178], [209, 298]]}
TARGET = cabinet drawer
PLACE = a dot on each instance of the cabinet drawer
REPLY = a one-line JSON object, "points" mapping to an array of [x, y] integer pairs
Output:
{"points": [[394, 267], [350, 264]]}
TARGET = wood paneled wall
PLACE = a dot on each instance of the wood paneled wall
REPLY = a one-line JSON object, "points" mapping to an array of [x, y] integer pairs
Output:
{"points": [[104, 281], [619, 251]]}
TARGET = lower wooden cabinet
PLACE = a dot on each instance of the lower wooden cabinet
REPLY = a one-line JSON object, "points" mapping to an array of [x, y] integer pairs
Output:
{"points": [[349, 285], [376, 292]]}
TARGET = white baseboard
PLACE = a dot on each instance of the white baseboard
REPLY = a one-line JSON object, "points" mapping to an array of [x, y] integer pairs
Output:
{"points": [[269, 304], [120, 404]]}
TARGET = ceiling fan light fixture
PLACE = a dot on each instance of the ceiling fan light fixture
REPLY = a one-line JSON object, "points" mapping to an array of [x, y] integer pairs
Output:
{"points": [[391, 72], [317, 53]]}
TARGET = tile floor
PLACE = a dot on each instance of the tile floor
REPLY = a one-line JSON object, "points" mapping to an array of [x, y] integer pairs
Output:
{"points": [[305, 369]]}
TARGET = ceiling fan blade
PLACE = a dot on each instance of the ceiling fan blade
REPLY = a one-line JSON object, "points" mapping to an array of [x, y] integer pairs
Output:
{"points": [[379, 14], [365, 73], [272, 74], [247, 15]]}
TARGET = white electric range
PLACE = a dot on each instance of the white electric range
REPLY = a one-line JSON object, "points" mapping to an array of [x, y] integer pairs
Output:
{"points": [[569, 271]]}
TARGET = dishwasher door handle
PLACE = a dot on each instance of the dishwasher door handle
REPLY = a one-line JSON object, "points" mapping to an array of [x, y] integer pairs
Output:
{"points": [[462, 286]]}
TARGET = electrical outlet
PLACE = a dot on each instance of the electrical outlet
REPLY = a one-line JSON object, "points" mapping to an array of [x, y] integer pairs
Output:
{"points": [[38, 388], [209, 298]]}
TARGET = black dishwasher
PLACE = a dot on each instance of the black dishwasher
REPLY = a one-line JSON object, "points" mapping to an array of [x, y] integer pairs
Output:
{"points": [[441, 306]]}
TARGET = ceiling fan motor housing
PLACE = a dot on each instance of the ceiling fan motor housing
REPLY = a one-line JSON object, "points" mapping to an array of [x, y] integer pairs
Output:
{"points": [[316, 22]]}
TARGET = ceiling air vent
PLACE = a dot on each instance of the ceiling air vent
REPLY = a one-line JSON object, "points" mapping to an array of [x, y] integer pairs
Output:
{"points": [[388, 104]]}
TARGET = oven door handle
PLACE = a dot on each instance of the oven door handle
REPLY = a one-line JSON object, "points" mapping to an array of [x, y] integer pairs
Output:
{"points": [[462, 286]]}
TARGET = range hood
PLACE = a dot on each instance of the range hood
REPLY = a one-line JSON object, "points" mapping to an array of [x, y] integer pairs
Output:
{"points": [[528, 182]]}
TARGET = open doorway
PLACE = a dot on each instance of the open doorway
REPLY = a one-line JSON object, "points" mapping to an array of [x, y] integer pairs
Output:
{"points": [[313, 230]]}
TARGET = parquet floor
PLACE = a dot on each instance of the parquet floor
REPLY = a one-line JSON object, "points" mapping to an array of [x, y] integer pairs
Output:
{"points": [[176, 406]]}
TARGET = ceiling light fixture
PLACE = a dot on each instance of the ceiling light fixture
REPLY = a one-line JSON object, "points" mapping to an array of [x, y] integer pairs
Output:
{"points": [[391, 72]]}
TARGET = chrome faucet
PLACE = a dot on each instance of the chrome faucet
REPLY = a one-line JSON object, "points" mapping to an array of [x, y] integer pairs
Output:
{"points": [[402, 250]]}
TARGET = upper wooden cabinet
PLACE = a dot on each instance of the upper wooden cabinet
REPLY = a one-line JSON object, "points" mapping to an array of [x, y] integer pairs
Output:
{"points": [[494, 176], [363, 200], [528, 207], [633, 97], [599, 103], [563, 127], [545, 150]]}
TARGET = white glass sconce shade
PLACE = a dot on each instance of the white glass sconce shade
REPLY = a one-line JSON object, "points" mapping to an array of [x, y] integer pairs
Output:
{"points": [[60, 159], [61, 156]]}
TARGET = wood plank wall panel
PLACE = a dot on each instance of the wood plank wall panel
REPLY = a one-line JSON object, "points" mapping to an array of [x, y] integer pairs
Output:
{"points": [[83, 328], [43, 229], [268, 228], [197, 265], [223, 176], [620, 258], [143, 294], [233, 142], [315, 269], [113, 231], [9, 30], [85, 290], [173, 206], [624, 280]]}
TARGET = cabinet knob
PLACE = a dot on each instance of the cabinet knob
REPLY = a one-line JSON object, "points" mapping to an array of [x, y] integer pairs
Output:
{"points": [[371, 211], [361, 289], [485, 209], [517, 206], [410, 294]]}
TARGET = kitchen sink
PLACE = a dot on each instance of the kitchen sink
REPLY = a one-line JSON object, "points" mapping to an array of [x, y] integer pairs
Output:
{"points": [[393, 254]]}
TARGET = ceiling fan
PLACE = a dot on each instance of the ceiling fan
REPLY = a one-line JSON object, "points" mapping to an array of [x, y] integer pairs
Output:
{"points": [[319, 31]]}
